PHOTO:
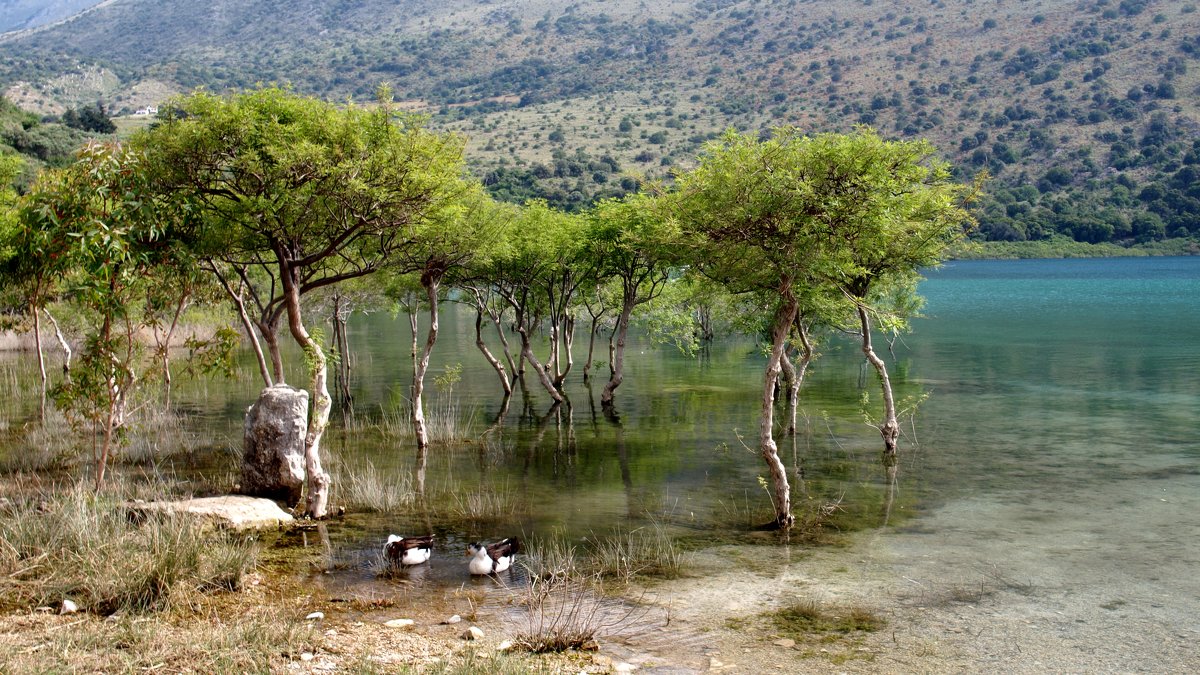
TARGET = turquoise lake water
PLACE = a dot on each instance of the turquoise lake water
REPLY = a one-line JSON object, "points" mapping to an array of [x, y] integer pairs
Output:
{"points": [[1060, 440]]}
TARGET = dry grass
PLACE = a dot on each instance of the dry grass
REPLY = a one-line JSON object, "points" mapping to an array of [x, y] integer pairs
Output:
{"points": [[74, 544]]}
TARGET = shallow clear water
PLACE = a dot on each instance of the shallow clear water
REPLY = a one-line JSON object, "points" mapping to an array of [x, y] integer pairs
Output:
{"points": [[1059, 439]]}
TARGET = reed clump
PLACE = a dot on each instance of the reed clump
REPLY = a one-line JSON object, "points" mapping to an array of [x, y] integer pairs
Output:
{"points": [[643, 552], [361, 486]]}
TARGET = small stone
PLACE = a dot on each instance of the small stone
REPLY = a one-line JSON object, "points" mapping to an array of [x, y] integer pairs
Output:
{"points": [[400, 623], [623, 667], [601, 660], [506, 646], [332, 632], [473, 633], [68, 607], [785, 643], [452, 620], [307, 656], [315, 616]]}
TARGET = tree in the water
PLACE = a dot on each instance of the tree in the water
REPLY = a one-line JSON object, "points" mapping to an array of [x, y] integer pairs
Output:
{"points": [[531, 271], [439, 246], [298, 195], [891, 209], [113, 239], [634, 243], [792, 218]]}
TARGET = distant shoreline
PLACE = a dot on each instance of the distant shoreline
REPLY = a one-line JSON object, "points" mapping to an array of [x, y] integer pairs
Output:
{"points": [[1061, 247]]}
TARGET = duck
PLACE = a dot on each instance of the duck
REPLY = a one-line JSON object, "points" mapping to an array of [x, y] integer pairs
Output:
{"points": [[491, 558], [407, 551]]}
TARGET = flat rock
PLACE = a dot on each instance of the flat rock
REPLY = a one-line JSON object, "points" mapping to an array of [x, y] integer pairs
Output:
{"points": [[238, 512], [400, 623]]}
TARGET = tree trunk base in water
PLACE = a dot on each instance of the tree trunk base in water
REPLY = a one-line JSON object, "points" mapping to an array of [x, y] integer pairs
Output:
{"points": [[779, 524], [273, 445]]}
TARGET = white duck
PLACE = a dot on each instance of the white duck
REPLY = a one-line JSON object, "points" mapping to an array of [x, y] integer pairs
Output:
{"points": [[408, 551], [491, 558]]}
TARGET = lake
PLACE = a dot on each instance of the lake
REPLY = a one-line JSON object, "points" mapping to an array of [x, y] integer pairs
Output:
{"points": [[1057, 448]]}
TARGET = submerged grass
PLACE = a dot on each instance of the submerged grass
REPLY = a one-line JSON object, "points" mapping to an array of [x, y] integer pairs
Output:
{"points": [[624, 556], [359, 485], [644, 552], [484, 503], [833, 633], [445, 421], [805, 618]]}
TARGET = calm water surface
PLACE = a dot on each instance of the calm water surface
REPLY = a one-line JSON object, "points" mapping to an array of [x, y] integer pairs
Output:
{"points": [[1059, 436]]}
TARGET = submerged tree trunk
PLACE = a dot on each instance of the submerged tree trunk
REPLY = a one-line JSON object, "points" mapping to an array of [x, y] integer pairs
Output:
{"points": [[795, 375], [164, 348], [317, 497], [780, 491], [543, 375], [890, 429], [567, 340], [412, 331], [430, 282], [41, 357], [505, 382], [246, 323], [612, 351], [62, 342], [587, 367], [342, 344], [617, 371]]}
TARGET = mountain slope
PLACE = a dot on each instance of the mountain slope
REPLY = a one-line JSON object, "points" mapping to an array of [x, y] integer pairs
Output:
{"points": [[1076, 107], [25, 14]]}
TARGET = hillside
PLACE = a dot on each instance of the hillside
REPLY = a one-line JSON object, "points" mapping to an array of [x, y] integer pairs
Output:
{"points": [[1085, 113], [18, 15]]}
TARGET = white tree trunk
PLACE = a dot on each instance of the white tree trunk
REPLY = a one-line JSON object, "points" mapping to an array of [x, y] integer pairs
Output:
{"points": [[317, 498], [890, 429], [781, 491], [422, 365], [41, 357]]}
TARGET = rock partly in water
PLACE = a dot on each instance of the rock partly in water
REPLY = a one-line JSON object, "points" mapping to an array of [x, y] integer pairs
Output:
{"points": [[238, 512], [473, 633], [273, 444]]}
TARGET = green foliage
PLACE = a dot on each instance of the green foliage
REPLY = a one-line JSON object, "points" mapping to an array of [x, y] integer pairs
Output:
{"points": [[215, 355], [92, 118], [98, 222], [1068, 82]]}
